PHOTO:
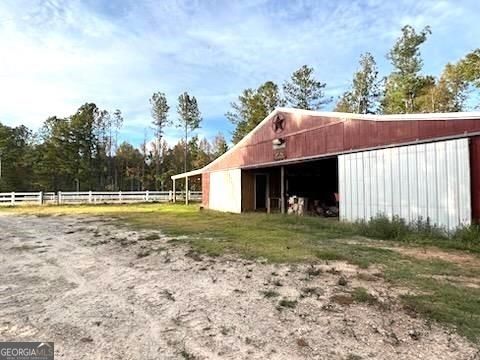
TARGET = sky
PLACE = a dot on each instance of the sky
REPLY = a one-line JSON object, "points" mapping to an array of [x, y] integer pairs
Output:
{"points": [[56, 55]]}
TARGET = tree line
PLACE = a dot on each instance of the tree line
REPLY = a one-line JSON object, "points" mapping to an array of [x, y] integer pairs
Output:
{"points": [[405, 90], [82, 151]]}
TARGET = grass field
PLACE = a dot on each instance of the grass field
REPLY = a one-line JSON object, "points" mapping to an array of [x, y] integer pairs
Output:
{"points": [[442, 274]]}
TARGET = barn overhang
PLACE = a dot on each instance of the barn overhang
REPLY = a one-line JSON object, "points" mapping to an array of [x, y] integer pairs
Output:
{"points": [[185, 176]]}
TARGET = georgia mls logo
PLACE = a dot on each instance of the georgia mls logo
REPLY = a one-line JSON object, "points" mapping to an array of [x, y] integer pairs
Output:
{"points": [[26, 351]]}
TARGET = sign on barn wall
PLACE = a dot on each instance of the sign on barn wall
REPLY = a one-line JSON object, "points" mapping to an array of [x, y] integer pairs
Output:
{"points": [[278, 125], [278, 149]]}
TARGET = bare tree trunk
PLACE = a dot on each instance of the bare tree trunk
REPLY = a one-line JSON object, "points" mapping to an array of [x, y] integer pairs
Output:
{"points": [[157, 162], [186, 147], [144, 158], [115, 161]]}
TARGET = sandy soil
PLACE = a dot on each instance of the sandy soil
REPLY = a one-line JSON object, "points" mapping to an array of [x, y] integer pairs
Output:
{"points": [[104, 292], [432, 253]]}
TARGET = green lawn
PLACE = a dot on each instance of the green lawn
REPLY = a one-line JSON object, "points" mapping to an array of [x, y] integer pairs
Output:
{"points": [[280, 238]]}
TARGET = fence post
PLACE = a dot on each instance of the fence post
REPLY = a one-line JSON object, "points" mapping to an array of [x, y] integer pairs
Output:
{"points": [[170, 197], [120, 196], [59, 199], [12, 200], [173, 192], [40, 198], [90, 197], [147, 197]]}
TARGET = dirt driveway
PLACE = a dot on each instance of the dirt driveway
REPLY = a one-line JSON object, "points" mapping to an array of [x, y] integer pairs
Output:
{"points": [[101, 291]]}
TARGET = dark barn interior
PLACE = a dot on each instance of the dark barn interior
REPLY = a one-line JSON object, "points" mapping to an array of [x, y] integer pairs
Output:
{"points": [[315, 183], [315, 180]]}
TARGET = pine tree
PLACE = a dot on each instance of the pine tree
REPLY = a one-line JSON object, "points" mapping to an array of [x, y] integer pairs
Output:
{"points": [[447, 94], [303, 91], [220, 146], [469, 68], [189, 119], [159, 111], [117, 124], [364, 94], [405, 84], [252, 107]]}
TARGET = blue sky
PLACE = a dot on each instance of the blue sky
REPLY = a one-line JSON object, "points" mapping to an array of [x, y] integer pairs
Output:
{"points": [[56, 55]]}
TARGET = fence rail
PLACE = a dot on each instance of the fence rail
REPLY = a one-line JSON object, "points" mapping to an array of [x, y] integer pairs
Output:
{"points": [[95, 197]]}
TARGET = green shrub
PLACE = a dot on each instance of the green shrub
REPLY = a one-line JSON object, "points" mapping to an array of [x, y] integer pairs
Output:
{"points": [[382, 227], [468, 235], [421, 232], [423, 229], [329, 255]]}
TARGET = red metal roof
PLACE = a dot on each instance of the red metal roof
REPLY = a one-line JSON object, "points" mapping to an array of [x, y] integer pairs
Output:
{"points": [[310, 134]]}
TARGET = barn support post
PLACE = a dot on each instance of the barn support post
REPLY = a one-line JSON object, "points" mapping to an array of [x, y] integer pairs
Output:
{"points": [[186, 190], [174, 198], [282, 189], [475, 177]]}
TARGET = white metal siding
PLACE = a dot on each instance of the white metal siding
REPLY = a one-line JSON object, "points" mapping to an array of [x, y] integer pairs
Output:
{"points": [[226, 191], [428, 181]]}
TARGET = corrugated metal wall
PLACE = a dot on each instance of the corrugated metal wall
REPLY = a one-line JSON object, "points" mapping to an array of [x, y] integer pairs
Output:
{"points": [[226, 191], [427, 180]]}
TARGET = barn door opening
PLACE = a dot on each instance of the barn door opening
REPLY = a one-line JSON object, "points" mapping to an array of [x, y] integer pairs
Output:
{"points": [[312, 188], [261, 191]]}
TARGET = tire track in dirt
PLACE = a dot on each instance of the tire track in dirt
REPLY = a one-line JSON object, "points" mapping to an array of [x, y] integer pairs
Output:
{"points": [[105, 292]]}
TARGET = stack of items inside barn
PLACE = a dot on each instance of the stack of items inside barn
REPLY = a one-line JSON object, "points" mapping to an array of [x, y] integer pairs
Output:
{"points": [[325, 207]]}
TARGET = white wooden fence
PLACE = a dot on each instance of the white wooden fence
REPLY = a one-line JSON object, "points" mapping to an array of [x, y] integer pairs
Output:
{"points": [[95, 197]]}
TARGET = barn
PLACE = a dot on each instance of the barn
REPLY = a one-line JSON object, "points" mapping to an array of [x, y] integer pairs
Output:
{"points": [[416, 166]]}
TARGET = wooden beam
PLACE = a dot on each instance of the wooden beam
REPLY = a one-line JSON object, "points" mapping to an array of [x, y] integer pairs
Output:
{"points": [[186, 190], [174, 192], [282, 189]]}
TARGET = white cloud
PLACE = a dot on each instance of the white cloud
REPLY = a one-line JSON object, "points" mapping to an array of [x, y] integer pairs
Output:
{"points": [[58, 54]]}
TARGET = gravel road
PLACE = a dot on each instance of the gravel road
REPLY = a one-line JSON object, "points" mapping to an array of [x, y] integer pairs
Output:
{"points": [[102, 291]]}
